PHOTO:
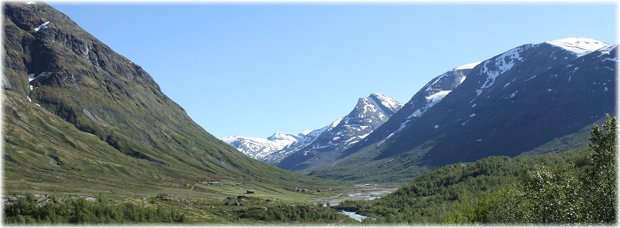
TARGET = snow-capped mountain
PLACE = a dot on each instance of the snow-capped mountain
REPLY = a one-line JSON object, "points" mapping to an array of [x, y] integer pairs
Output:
{"points": [[305, 139], [515, 102], [259, 148], [369, 113], [433, 92], [277, 146], [579, 46]]}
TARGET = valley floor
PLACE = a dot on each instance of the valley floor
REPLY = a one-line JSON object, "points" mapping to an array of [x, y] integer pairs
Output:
{"points": [[357, 192], [202, 202]]}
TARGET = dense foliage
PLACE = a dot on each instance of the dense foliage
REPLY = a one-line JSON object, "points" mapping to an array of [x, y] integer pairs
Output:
{"points": [[575, 187], [580, 193], [26, 210], [31, 209], [431, 196], [290, 214]]}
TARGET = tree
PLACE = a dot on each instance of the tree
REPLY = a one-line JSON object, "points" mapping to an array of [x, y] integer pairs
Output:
{"points": [[600, 179]]}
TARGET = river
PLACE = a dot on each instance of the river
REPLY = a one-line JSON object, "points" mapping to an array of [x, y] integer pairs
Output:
{"points": [[359, 192], [354, 215]]}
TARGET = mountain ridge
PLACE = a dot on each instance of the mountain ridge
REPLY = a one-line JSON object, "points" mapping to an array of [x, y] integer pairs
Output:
{"points": [[466, 125]]}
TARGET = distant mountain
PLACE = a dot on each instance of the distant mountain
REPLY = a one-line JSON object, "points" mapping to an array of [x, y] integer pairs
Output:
{"points": [[260, 148], [81, 117], [369, 113], [305, 139], [536, 97], [277, 146]]}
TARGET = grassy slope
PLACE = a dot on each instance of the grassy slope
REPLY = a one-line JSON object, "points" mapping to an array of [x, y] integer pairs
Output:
{"points": [[103, 125]]}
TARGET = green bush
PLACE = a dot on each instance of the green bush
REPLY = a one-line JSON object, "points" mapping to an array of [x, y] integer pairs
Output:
{"points": [[79, 211]]}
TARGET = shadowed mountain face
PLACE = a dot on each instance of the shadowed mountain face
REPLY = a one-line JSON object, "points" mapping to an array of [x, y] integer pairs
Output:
{"points": [[515, 102], [81, 109], [369, 113], [432, 93]]}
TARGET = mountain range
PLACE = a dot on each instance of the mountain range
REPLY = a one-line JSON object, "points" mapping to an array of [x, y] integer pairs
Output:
{"points": [[535, 98], [315, 147]]}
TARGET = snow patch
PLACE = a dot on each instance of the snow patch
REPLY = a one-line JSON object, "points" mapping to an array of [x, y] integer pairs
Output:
{"points": [[530, 78], [386, 138], [462, 80], [336, 122], [33, 76], [607, 49], [42, 26], [579, 46], [431, 101], [503, 63], [514, 94], [364, 135], [436, 97], [468, 66]]}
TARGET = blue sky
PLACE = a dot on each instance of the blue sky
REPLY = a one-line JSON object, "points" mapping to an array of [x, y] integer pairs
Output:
{"points": [[252, 70]]}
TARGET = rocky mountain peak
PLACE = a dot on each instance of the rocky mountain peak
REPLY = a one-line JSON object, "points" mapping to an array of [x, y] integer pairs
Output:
{"points": [[386, 103]]}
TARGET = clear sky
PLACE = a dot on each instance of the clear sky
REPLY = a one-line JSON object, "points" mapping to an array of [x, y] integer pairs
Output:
{"points": [[252, 70]]}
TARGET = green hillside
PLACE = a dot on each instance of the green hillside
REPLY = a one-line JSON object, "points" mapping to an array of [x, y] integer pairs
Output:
{"points": [[576, 186], [80, 118]]}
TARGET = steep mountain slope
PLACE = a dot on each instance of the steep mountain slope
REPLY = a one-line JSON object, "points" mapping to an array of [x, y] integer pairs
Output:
{"points": [[515, 102], [369, 113], [81, 113], [424, 99]]}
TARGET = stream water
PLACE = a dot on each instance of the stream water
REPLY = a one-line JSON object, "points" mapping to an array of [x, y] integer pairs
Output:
{"points": [[354, 215], [360, 192]]}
